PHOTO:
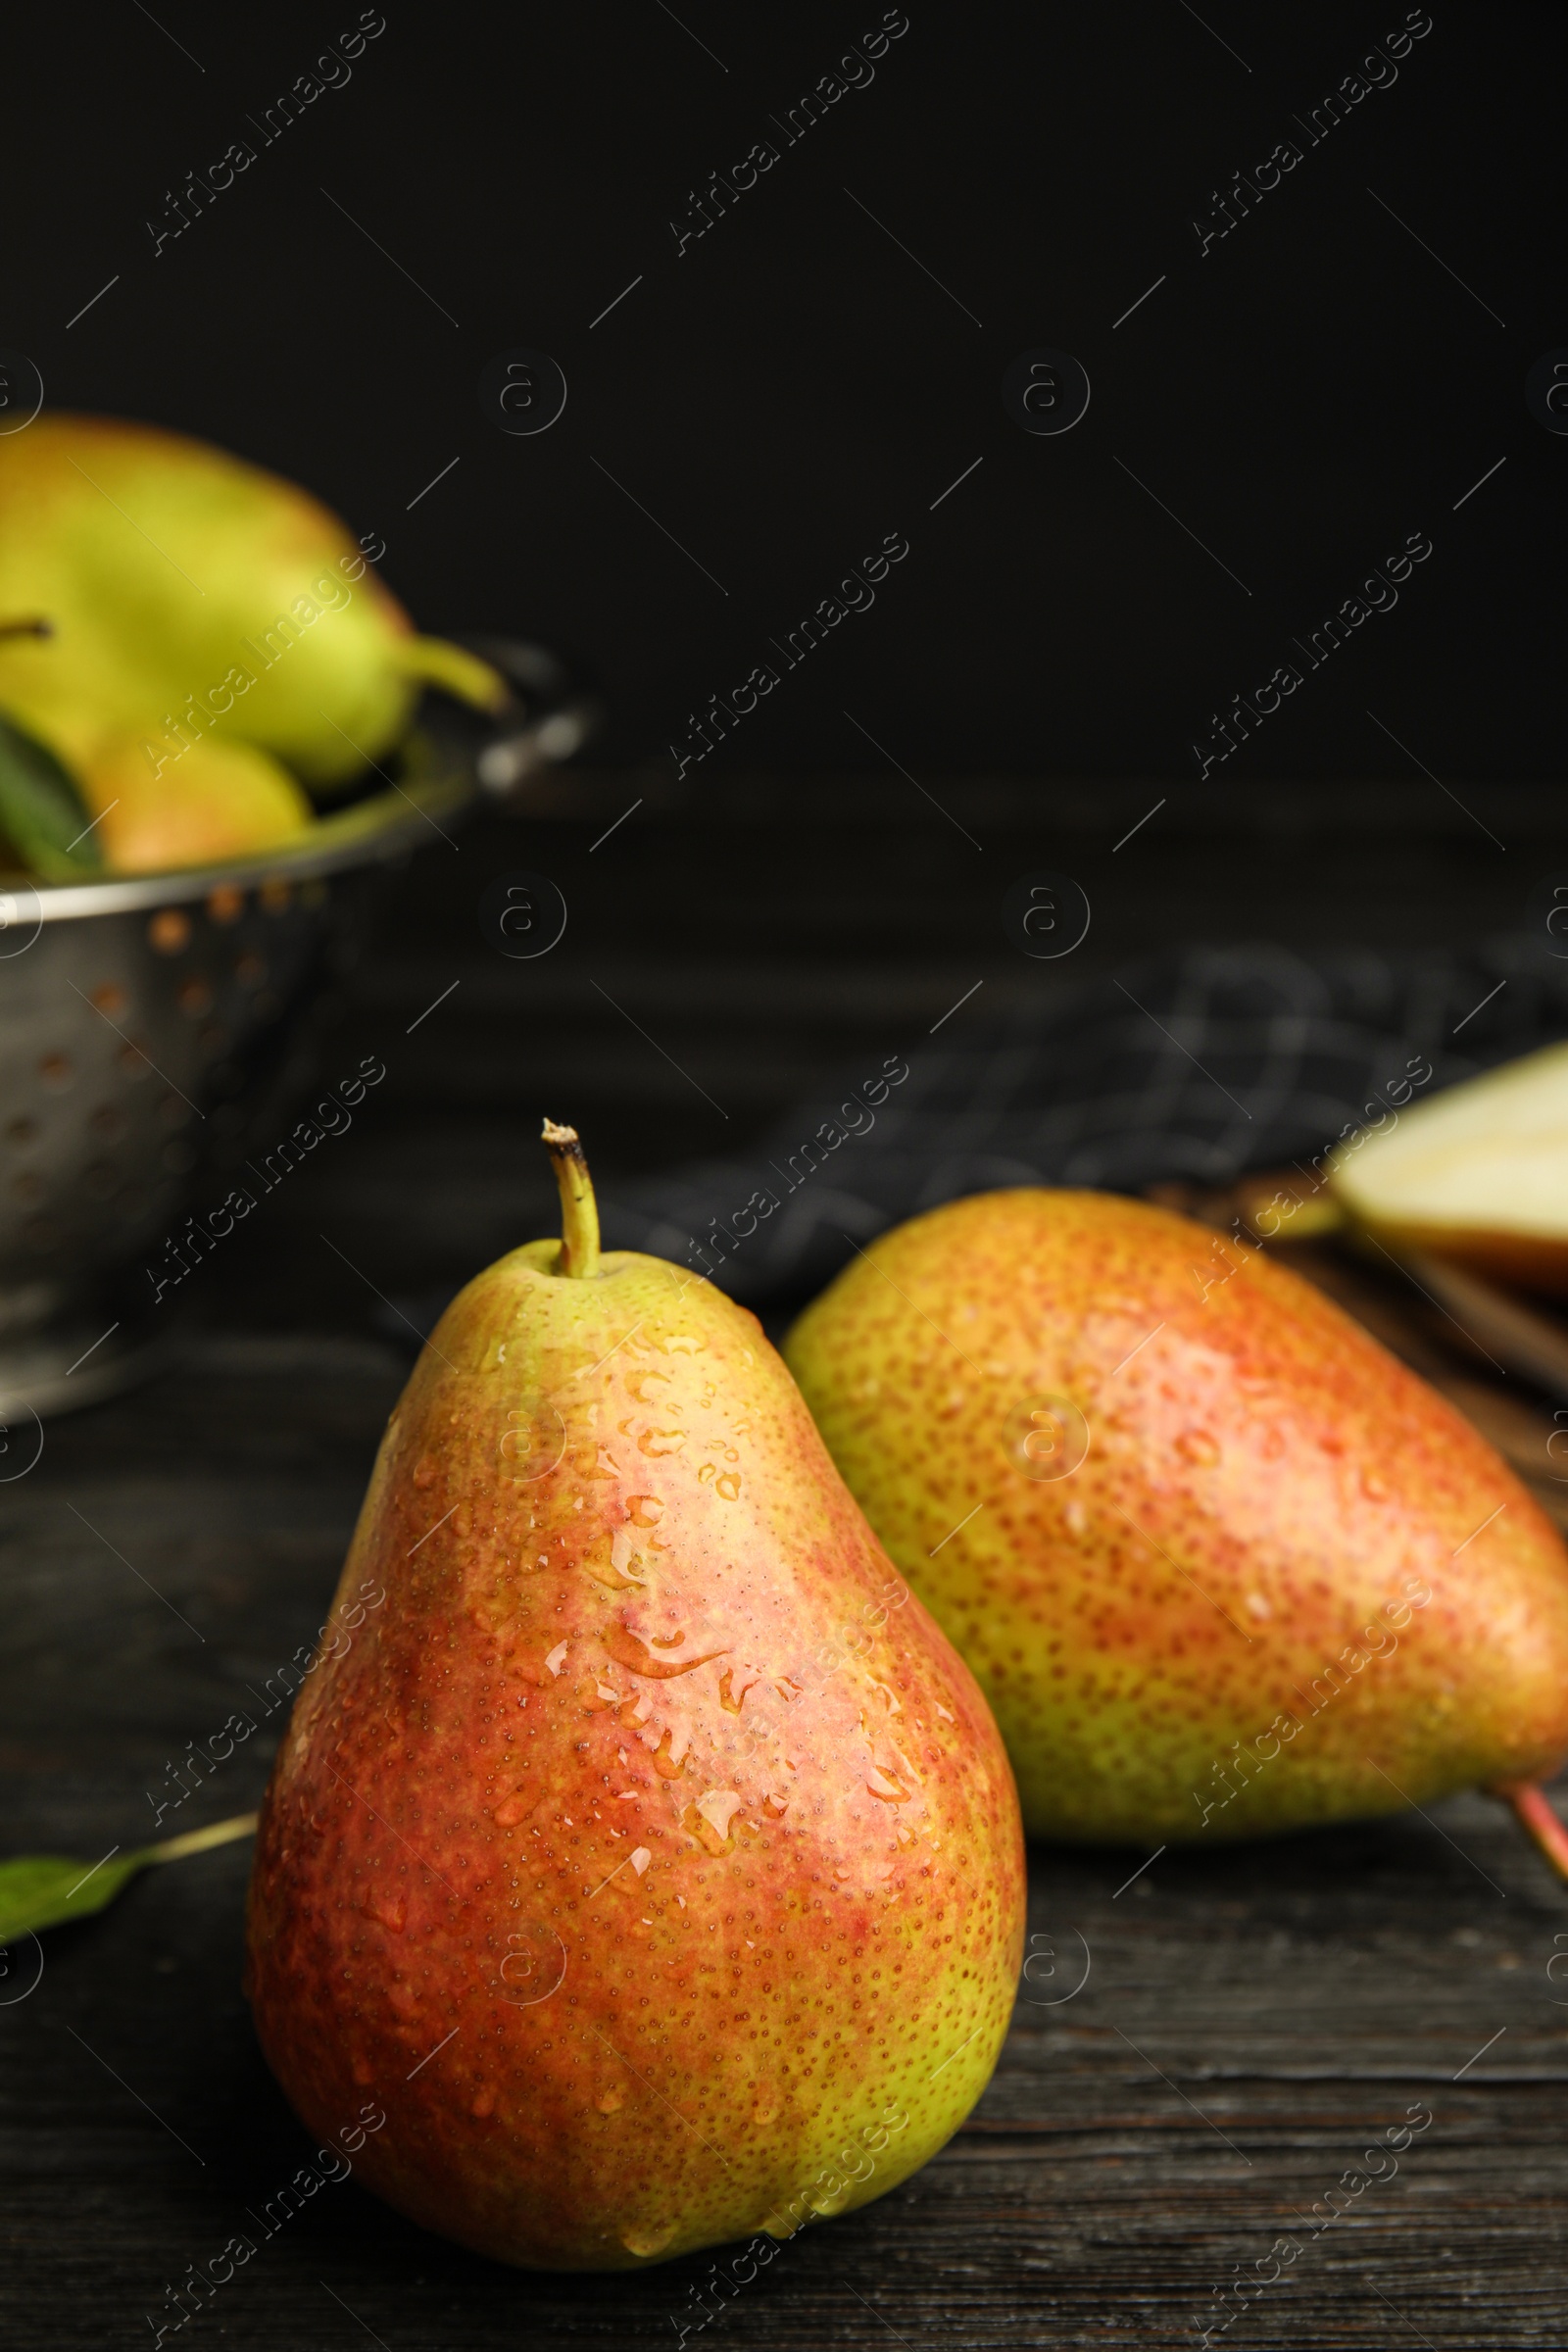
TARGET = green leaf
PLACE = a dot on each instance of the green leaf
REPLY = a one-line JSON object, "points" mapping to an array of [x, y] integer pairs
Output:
{"points": [[42, 813], [42, 1890], [39, 1890]]}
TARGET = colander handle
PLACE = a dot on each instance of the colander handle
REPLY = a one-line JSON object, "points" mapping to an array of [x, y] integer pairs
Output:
{"points": [[550, 719]]}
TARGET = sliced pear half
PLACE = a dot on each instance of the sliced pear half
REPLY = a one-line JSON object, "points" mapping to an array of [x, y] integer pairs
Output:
{"points": [[1478, 1174]]}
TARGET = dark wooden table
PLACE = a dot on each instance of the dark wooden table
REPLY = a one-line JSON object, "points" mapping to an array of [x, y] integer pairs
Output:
{"points": [[1253, 2019]]}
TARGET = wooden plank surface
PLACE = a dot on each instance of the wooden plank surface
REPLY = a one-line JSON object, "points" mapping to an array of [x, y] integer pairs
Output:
{"points": [[1252, 2020]]}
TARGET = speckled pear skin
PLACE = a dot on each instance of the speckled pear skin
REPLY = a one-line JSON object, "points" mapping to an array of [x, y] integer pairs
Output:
{"points": [[1212, 1627], [648, 1855]]}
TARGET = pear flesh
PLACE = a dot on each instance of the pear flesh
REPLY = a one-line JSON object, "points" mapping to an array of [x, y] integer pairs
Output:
{"points": [[1479, 1174], [648, 1856], [1220, 1564]]}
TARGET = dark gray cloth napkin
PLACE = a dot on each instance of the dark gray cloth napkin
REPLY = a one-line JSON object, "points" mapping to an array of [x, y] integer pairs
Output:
{"points": [[1197, 1066]]}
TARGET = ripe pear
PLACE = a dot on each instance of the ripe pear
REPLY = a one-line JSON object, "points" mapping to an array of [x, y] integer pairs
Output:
{"points": [[221, 800], [1221, 1565], [636, 1844], [1478, 1174], [184, 590]]}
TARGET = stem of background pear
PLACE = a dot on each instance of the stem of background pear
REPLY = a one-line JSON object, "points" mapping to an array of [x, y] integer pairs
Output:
{"points": [[1537, 1819], [579, 1211], [455, 670], [196, 1842], [34, 625]]}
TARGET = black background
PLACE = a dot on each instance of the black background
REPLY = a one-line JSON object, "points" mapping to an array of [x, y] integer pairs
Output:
{"points": [[792, 386]]}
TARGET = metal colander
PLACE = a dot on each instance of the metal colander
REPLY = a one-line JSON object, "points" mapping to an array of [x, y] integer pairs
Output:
{"points": [[150, 1040]]}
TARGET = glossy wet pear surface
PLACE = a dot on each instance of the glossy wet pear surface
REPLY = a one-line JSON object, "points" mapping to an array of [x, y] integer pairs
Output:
{"points": [[1220, 1563], [650, 1855]]}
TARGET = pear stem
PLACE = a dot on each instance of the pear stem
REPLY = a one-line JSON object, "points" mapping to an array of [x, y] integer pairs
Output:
{"points": [[1537, 1819], [579, 1211], [33, 627], [197, 1842], [455, 670]]}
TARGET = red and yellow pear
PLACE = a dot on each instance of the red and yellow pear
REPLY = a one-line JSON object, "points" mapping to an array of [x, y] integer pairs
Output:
{"points": [[218, 799], [647, 1854], [1222, 1564]]}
